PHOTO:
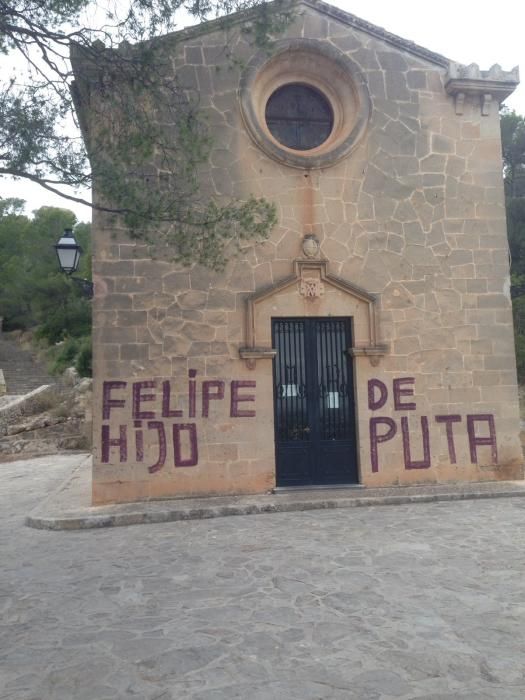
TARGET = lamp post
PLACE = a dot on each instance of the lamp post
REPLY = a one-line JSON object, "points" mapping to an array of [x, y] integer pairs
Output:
{"points": [[68, 253]]}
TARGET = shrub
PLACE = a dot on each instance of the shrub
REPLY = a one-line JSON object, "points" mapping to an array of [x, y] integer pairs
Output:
{"points": [[63, 355], [520, 357], [84, 357]]}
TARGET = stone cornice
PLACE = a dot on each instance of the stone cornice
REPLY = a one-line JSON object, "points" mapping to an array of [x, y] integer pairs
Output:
{"points": [[491, 85], [495, 74]]}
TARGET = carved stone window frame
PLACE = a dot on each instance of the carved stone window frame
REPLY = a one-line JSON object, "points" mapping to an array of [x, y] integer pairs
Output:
{"points": [[326, 69]]}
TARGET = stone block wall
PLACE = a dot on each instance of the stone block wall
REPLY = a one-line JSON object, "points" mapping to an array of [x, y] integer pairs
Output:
{"points": [[413, 216]]}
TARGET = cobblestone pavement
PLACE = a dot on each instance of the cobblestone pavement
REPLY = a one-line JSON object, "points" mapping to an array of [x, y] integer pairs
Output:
{"points": [[408, 602]]}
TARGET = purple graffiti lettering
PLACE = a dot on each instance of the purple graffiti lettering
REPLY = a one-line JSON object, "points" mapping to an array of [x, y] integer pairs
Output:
{"points": [[192, 392], [166, 409], [159, 427], [399, 392], [409, 462], [449, 421], [208, 395], [474, 441], [193, 458], [236, 398], [373, 403], [107, 402], [139, 442], [108, 442], [139, 397], [375, 439]]}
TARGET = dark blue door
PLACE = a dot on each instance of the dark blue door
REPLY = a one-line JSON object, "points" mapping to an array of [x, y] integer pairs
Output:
{"points": [[314, 402]]}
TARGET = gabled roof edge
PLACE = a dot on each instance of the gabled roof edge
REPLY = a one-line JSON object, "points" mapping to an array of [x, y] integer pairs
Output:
{"points": [[376, 31], [322, 7], [454, 68]]}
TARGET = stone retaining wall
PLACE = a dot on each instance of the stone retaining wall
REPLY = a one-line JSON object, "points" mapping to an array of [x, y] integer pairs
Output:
{"points": [[24, 406]]}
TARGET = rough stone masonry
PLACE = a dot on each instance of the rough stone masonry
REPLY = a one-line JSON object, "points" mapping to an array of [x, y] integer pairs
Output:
{"points": [[370, 339]]}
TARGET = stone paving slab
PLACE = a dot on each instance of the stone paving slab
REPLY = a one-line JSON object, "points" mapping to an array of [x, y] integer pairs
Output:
{"points": [[69, 507], [418, 602]]}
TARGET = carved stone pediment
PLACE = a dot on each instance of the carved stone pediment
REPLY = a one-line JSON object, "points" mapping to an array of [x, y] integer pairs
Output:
{"points": [[311, 282]]}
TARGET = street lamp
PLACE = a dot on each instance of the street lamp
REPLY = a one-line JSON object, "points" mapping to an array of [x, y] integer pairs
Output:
{"points": [[68, 253]]}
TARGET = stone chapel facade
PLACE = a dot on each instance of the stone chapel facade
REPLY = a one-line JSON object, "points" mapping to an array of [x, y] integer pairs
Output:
{"points": [[369, 340]]}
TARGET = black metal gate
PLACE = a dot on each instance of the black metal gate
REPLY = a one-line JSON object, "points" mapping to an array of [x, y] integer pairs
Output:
{"points": [[314, 402]]}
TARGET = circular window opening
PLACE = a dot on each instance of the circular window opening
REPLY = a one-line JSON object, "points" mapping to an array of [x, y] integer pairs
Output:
{"points": [[299, 116], [307, 105]]}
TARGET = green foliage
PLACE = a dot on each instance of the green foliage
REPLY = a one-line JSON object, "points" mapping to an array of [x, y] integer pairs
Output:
{"points": [[515, 207], [34, 293], [520, 356], [518, 309], [69, 315], [83, 360], [72, 352], [202, 238], [142, 130], [513, 147], [26, 259], [269, 21]]}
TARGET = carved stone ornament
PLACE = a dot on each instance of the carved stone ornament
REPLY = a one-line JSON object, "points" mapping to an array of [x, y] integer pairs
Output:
{"points": [[310, 246], [311, 287]]}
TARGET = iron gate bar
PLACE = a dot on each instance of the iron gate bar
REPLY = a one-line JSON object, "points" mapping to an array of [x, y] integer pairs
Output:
{"points": [[314, 413]]}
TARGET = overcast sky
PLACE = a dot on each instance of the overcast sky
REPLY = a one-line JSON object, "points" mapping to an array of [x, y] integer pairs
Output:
{"points": [[462, 30]]}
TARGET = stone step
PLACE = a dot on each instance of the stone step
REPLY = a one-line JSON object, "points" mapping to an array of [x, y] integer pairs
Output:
{"points": [[22, 372]]}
